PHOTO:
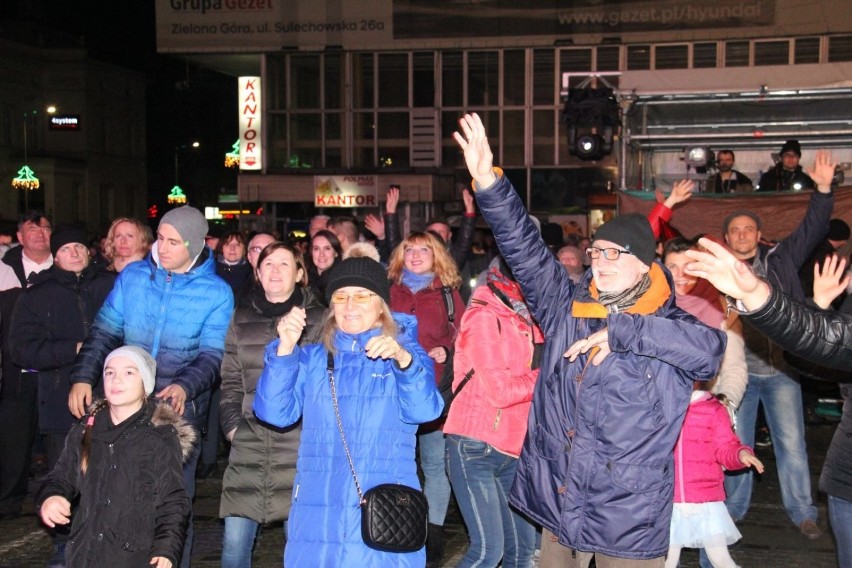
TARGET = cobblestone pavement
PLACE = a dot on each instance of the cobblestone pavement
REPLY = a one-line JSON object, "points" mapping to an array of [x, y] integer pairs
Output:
{"points": [[769, 538]]}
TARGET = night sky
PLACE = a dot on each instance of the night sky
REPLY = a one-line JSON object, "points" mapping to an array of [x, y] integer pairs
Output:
{"points": [[184, 102]]}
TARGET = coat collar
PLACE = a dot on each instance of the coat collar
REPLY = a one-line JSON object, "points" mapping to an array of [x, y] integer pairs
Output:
{"points": [[652, 300]]}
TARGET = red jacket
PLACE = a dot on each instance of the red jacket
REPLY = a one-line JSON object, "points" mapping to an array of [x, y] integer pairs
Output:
{"points": [[494, 405], [706, 443], [428, 306]]}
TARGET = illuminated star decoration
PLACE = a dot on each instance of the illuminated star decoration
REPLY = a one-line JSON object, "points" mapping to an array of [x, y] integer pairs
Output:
{"points": [[26, 179], [177, 196], [232, 158]]}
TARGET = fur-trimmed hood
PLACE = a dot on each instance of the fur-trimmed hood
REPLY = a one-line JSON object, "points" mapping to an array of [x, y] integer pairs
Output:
{"points": [[158, 413]]}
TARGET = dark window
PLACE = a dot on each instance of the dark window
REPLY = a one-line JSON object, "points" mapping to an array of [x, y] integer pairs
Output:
{"points": [[703, 55], [671, 57], [638, 57], [772, 53], [736, 54]]}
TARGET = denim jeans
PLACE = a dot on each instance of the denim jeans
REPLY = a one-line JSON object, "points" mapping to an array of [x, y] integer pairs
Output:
{"points": [[481, 478], [436, 486], [238, 542], [781, 396], [840, 515]]}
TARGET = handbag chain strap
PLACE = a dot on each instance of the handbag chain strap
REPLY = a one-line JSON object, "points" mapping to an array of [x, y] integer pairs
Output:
{"points": [[330, 370]]}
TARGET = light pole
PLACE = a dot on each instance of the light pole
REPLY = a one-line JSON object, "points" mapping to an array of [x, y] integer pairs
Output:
{"points": [[177, 196]]}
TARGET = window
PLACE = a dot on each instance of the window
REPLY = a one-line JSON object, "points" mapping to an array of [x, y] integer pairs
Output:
{"points": [[393, 80], [305, 81], [333, 81], [483, 77], [736, 54], [703, 55], [575, 60], [423, 93], [608, 58], [839, 48], [514, 77], [362, 78], [772, 52], [671, 57], [638, 57], [543, 84], [452, 79]]}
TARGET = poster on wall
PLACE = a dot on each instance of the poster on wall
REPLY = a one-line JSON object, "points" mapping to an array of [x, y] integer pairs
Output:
{"points": [[251, 153], [345, 191]]}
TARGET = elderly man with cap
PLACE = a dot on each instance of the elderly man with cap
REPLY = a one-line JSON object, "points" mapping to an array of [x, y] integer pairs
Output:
{"points": [[787, 174], [175, 307], [596, 470]]}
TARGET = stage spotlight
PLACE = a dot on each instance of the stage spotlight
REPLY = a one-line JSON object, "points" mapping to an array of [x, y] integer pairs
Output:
{"points": [[589, 147], [698, 156]]}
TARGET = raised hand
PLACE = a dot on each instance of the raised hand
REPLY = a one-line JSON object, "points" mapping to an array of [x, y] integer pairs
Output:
{"points": [[829, 282], [290, 329], [392, 200], [728, 274], [375, 225], [477, 151], [681, 191], [823, 171], [469, 206]]}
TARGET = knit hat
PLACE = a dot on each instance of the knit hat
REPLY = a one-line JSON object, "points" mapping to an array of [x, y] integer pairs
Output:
{"points": [[631, 231], [792, 146], [838, 230], [190, 225], [144, 362], [65, 235], [358, 271]]}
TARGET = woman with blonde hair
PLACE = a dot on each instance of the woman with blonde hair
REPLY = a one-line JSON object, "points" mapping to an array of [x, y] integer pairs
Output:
{"points": [[128, 240], [425, 282]]}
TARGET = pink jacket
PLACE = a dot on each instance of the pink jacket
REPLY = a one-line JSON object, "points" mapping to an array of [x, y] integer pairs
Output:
{"points": [[707, 443], [494, 405]]}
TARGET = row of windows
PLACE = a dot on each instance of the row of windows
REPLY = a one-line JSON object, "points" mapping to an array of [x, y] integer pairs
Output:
{"points": [[344, 110]]}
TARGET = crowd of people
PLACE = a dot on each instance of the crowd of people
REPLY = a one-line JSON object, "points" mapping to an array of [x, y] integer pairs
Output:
{"points": [[604, 390]]}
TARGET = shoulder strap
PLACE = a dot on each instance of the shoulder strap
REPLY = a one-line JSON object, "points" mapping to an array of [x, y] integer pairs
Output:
{"points": [[330, 361], [447, 292]]}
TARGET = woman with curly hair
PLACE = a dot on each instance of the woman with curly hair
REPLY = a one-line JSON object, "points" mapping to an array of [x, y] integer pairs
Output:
{"points": [[424, 278]]}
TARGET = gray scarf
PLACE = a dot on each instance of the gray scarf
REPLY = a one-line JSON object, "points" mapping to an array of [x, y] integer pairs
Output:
{"points": [[615, 302]]}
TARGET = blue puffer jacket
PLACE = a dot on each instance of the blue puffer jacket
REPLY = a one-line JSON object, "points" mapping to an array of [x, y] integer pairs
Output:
{"points": [[181, 319], [597, 463], [380, 406]]}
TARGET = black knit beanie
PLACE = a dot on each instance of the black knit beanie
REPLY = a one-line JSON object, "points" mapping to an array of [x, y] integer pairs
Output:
{"points": [[632, 232], [65, 235], [360, 271], [838, 230], [791, 146]]}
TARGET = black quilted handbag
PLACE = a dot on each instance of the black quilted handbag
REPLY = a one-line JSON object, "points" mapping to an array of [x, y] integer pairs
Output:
{"points": [[394, 517]]}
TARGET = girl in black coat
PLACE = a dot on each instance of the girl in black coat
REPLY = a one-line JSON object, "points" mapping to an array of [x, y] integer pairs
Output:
{"points": [[125, 465]]}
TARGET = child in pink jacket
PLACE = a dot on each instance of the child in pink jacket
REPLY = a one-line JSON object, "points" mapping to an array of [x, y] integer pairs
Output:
{"points": [[707, 443]]}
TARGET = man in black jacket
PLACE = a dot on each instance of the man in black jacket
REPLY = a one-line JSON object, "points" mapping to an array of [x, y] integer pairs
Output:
{"points": [[772, 383], [787, 174]]}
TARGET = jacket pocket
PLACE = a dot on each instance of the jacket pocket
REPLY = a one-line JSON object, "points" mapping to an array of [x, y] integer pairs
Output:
{"points": [[647, 485], [546, 446]]}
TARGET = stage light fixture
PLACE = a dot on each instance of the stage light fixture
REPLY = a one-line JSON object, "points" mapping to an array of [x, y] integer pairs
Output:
{"points": [[593, 118], [697, 156], [589, 147]]}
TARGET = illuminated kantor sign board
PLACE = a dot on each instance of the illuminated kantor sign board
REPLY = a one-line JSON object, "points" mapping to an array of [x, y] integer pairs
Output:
{"points": [[250, 123]]}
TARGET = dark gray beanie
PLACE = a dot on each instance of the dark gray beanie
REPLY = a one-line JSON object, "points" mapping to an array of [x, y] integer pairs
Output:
{"points": [[633, 232], [190, 225], [791, 146], [359, 271]]}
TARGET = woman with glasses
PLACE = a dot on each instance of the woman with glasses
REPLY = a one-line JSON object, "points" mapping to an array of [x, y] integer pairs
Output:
{"points": [[424, 277], [383, 384], [258, 481]]}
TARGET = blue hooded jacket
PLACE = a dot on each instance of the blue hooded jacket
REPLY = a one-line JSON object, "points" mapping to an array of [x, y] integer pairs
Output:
{"points": [[380, 407], [181, 319], [596, 467]]}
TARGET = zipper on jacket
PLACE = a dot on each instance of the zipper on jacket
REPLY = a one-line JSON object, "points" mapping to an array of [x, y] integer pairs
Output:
{"points": [[497, 419]]}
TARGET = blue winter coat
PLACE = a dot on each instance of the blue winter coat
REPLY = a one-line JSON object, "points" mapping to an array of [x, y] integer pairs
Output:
{"points": [[596, 467], [380, 406], [181, 319]]}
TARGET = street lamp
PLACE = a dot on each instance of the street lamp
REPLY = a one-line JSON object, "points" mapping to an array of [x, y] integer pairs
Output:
{"points": [[177, 196]]}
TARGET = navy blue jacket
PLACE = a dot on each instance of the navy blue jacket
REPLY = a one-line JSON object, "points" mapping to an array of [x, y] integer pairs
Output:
{"points": [[596, 467]]}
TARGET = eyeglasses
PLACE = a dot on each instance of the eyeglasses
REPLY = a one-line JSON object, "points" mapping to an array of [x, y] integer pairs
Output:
{"points": [[358, 298], [608, 253], [255, 249]]}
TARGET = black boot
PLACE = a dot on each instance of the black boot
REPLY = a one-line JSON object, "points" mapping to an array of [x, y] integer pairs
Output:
{"points": [[434, 546]]}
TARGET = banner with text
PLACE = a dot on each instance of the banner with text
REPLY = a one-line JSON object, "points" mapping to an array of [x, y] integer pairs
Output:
{"points": [[265, 25], [345, 191], [251, 153]]}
